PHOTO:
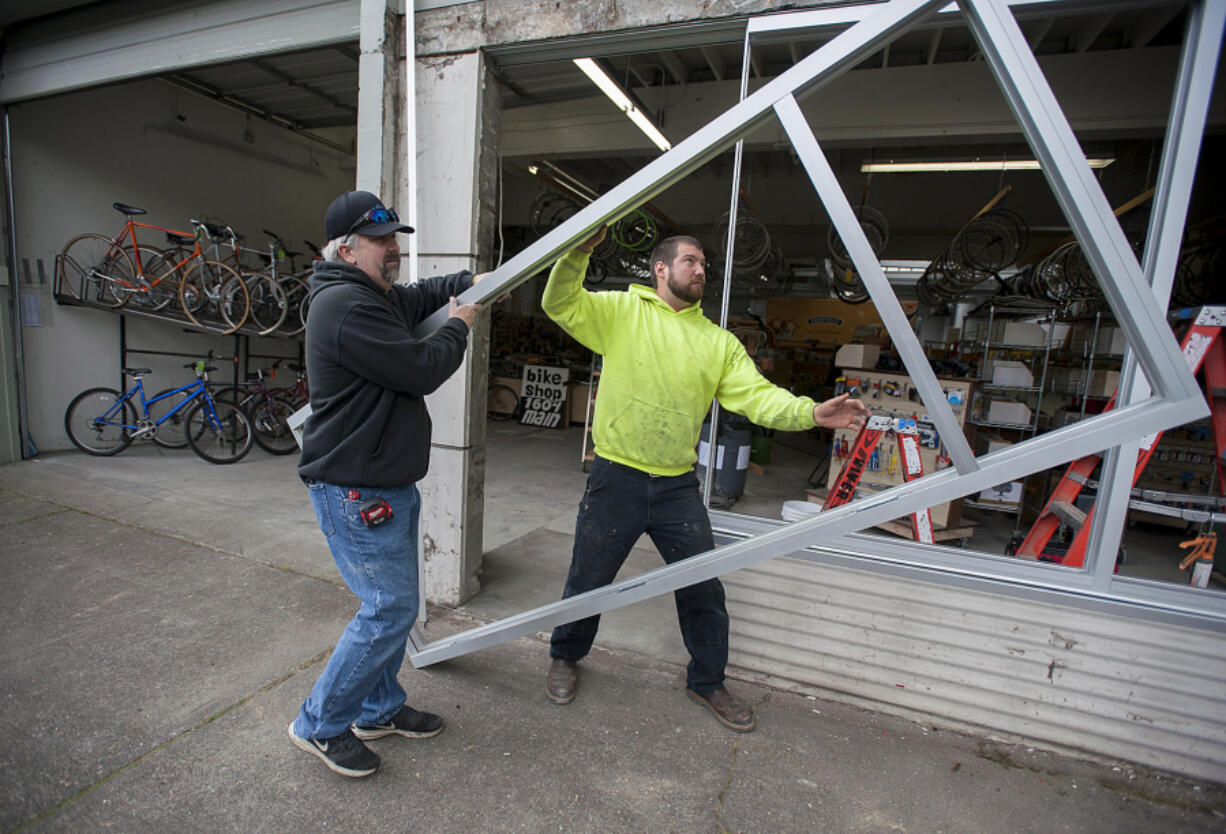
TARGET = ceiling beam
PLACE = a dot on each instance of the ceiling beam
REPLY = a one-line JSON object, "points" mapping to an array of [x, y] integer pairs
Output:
{"points": [[1039, 32], [1149, 26], [309, 89], [719, 68], [194, 85], [934, 42], [1090, 32], [675, 66]]}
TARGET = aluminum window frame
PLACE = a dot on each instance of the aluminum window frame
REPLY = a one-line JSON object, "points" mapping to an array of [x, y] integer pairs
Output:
{"points": [[1129, 289]]}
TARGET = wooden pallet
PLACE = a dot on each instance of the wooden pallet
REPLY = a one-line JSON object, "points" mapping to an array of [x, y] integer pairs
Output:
{"points": [[961, 531]]}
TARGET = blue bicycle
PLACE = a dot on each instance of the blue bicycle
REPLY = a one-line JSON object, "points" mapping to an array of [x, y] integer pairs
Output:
{"points": [[101, 421]]}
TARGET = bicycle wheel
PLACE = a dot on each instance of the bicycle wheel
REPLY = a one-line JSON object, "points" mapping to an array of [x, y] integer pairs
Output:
{"points": [[295, 395], [219, 435], [271, 423], [296, 291], [502, 402], [97, 421], [269, 305], [171, 434], [89, 268], [232, 394], [213, 297]]}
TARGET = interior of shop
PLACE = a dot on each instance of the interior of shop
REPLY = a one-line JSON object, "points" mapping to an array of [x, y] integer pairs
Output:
{"points": [[971, 238]]}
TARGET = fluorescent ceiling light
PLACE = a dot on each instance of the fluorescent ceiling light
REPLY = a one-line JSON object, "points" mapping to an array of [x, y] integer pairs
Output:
{"points": [[965, 165], [619, 97]]}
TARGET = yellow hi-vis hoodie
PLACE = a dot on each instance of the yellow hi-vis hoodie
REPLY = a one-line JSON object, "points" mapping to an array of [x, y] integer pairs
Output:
{"points": [[661, 370]]}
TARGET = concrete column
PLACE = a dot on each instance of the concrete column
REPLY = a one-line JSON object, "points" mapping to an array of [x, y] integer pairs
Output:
{"points": [[380, 80], [456, 162], [456, 199]]}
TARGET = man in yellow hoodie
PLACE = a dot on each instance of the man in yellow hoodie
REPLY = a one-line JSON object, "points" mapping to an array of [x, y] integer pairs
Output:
{"points": [[664, 362]]}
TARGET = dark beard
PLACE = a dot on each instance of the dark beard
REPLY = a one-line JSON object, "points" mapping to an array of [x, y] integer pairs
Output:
{"points": [[684, 291]]}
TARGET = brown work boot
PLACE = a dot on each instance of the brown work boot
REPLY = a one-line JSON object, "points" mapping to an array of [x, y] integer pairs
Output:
{"points": [[728, 709], [562, 680]]}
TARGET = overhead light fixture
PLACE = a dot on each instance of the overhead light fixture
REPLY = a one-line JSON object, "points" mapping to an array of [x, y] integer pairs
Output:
{"points": [[622, 100], [966, 165]]}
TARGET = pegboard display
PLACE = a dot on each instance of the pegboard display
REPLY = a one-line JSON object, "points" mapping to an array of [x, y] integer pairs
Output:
{"points": [[894, 395], [1184, 462]]}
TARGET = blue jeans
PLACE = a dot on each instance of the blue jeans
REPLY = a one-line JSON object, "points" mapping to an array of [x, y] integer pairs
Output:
{"points": [[379, 564], [619, 505]]}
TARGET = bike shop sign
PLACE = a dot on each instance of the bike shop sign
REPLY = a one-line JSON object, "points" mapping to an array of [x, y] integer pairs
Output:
{"points": [[543, 396]]}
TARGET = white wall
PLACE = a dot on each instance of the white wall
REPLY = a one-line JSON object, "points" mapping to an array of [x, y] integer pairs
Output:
{"points": [[74, 155]]}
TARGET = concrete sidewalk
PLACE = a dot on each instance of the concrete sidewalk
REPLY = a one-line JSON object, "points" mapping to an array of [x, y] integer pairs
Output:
{"points": [[162, 625]]}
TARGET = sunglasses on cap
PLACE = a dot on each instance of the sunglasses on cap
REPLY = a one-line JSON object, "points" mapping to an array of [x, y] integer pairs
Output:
{"points": [[377, 214]]}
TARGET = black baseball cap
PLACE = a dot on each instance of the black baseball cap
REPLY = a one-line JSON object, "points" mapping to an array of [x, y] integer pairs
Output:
{"points": [[360, 212]]}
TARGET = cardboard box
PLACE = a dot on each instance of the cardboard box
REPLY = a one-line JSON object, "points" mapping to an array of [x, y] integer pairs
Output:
{"points": [[1059, 332], [824, 321], [995, 443], [1009, 411], [1102, 383], [1018, 333], [576, 395], [1009, 373], [1110, 340], [1006, 495], [857, 356]]}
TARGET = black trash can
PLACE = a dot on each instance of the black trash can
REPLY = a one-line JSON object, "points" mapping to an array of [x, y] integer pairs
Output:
{"points": [[732, 459]]}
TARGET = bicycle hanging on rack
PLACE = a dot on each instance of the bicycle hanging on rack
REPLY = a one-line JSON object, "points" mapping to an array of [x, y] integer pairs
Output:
{"points": [[120, 270]]}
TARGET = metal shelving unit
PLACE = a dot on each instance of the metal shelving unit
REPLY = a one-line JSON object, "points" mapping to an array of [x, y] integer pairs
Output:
{"points": [[1037, 360]]}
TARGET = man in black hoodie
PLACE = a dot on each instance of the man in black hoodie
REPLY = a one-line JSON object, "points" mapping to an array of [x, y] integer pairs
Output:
{"points": [[364, 447]]}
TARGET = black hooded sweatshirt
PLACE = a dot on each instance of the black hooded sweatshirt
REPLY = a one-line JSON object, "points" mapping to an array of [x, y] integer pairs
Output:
{"points": [[369, 375]]}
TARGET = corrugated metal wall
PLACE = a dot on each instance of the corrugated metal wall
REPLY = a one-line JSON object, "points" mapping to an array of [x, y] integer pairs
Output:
{"points": [[1139, 691]]}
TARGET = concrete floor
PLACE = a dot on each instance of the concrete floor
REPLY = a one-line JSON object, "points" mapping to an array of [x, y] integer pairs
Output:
{"points": [[163, 618]]}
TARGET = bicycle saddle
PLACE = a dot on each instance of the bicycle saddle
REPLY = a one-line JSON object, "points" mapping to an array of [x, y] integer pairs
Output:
{"points": [[181, 240], [137, 371], [126, 209], [206, 368]]}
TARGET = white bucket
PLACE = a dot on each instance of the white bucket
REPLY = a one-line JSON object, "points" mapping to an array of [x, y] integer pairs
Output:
{"points": [[799, 510]]}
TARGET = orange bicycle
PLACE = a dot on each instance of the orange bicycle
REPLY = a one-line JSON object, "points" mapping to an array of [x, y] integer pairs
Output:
{"points": [[120, 270]]}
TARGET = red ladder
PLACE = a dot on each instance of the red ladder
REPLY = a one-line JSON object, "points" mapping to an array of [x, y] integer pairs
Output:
{"points": [[1202, 345], [843, 489]]}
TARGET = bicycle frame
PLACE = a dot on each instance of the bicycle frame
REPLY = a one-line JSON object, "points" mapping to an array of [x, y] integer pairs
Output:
{"points": [[137, 394], [129, 231]]}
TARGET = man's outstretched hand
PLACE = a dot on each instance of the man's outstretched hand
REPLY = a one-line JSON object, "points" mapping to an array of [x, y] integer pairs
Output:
{"points": [[841, 412]]}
